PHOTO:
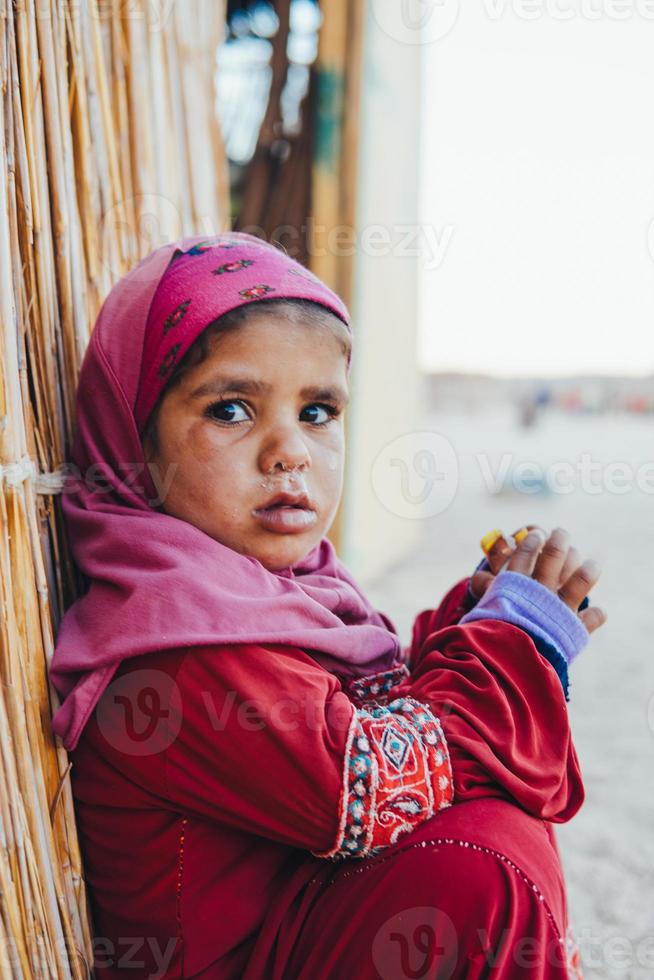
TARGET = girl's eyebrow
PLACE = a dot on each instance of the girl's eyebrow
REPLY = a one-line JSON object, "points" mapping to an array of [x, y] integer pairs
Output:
{"points": [[249, 386]]}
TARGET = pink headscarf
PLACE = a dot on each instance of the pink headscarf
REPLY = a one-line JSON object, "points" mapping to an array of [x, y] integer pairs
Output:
{"points": [[157, 582]]}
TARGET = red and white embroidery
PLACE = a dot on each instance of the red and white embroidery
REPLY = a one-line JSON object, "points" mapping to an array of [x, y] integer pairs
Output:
{"points": [[396, 775], [375, 686]]}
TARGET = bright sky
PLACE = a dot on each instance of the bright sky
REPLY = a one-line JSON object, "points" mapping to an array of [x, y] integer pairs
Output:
{"points": [[538, 183]]}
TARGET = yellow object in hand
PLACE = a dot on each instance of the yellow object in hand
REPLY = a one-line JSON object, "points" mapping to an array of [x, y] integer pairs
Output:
{"points": [[520, 535], [489, 540]]}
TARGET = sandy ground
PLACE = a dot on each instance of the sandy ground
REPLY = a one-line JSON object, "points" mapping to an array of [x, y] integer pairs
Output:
{"points": [[608, 848]]}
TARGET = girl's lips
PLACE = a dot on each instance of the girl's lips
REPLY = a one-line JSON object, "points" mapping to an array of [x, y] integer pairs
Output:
{"points": [[285, 519]]}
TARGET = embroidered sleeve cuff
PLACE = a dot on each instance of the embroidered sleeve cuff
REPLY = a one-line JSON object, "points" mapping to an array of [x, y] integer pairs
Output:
{"points": [[521, 600], [396, 775], [375, 687]]}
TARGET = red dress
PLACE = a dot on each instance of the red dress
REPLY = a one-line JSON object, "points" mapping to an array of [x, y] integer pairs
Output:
{"points": [[208, 779]]}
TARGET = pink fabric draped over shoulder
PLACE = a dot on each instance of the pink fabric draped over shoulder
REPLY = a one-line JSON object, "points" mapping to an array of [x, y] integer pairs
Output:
{"points": [[157, 582]]}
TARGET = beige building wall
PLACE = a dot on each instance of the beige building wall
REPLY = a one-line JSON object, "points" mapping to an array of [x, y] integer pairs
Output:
{"points": [[387, 388]]}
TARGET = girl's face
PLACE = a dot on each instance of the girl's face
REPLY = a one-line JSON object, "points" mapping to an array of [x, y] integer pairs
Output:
{"points": [[261, 416]]}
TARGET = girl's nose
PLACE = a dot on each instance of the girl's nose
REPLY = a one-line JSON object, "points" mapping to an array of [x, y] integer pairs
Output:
{"points": [[285, 449]]}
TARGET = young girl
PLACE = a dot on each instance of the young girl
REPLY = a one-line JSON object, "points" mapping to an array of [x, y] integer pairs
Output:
{"points": [[263, 777]]}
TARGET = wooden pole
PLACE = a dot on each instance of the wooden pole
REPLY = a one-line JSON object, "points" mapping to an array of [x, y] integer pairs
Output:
{"points": [[334, 177]]}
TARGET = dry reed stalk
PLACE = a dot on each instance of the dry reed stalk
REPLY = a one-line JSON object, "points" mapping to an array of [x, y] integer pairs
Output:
{"points": [[356, 11], [98, 105], [198, 34]]}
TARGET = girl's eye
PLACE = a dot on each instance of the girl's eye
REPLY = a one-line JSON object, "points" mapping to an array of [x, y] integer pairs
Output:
{"points": [[327, 410], [228, 412]]}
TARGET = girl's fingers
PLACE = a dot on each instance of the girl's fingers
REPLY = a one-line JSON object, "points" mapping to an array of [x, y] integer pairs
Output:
{"points": [[552, 559], [500, 551], [524, 557], [522, 530], [572, 562], [529, 527], [480, 582], [593, 618], [577, 587], [555, 564]]}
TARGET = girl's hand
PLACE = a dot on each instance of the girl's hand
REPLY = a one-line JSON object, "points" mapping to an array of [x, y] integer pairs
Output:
{"points": [[556, 564], [498, 558]]}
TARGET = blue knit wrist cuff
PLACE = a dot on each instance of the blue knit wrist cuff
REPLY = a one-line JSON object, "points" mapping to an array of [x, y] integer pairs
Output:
{"points": [[556, 659]]}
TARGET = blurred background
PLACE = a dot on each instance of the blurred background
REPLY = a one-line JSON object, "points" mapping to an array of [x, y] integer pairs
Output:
{"points": [[500, 193]]}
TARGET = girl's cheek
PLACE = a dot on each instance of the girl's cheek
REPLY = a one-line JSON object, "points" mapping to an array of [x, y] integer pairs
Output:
{"points": [[332, 457], [211, 435], [204, 440]]}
